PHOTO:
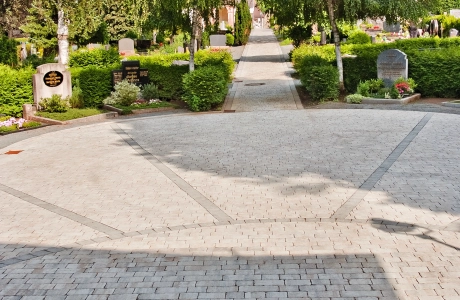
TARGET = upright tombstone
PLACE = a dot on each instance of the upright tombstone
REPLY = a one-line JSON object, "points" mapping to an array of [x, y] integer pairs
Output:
{"points": [[132, 72], [51, 79], [126, 47], [218, 40], [391, 65], [453, 32], [93, 46], [180, 49]]}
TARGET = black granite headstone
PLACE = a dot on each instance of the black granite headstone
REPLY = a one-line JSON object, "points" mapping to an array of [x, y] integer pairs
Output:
{"points": [[132, 72]]}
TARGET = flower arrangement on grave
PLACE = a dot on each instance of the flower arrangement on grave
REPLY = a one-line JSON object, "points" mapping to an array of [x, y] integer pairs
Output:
{"points": [[375, 88], [9, 124]]}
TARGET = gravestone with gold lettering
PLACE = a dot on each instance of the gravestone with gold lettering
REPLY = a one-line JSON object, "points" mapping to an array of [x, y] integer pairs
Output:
{"points": [[51, 79], [132, 72]]}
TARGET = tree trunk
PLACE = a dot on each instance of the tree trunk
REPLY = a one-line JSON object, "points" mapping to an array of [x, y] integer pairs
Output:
{"points": [[195, 28], [335, 31], [63, 42]]}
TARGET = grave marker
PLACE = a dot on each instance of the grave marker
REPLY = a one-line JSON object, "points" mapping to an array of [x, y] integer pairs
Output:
{"points": [[131, 71], [391, 65], [51, 79], [126, 47]]}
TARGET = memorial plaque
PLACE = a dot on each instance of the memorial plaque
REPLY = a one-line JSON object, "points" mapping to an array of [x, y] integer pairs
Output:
{"points": [[132, 72], [53, 78], [391, 65]]}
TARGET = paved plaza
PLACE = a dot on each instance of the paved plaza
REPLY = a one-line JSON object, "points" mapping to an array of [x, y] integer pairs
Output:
{"points": [[263, 203]]}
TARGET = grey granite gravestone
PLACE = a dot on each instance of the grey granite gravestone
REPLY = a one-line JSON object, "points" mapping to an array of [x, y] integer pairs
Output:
{"points": [[126, 47], [453, 32], [51, 79], [180, 49], [218, 40], [391, 65]]}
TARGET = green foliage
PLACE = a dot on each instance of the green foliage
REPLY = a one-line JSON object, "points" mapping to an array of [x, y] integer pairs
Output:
{"points": [[322, 83], [95, 57], [70, 114], [436, 72], [204, 88], [125, 94], [95, 83], [34, 61], [354, 98], [358, 37], [8, 54], [30, 124], [364, 89], [304, 68], [77, 99], [243, 23], [15, 89], [429, 63], [55, 104], [299, 34], [230, 39], [150, 91]]}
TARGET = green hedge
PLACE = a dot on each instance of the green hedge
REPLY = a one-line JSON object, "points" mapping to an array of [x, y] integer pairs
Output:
{"points": [[8, 50], [322, 82], [95, 83], [205, 88], [95, 57], [427, 57], [15, 89]]}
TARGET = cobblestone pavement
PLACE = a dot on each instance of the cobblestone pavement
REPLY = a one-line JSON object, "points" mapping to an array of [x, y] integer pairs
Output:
{"points": [[266, 204], [298, 204], [262, 79]]}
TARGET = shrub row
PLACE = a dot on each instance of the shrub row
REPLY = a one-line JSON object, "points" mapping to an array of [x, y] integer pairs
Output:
{"points": [[15, 89], [96, 81], [432, 63], [95, 57]]}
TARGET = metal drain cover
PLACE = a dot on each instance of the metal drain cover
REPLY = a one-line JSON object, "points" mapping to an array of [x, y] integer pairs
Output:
{"points": [[254, 84]]}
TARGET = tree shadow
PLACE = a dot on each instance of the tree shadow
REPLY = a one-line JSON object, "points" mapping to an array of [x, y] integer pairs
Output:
{"points": [[166, 275]]}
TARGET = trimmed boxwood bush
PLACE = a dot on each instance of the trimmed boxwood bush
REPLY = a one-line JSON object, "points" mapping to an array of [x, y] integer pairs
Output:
{"points": [[95, 83], [322, 82], [15, 89], [204, 88], [359, 37], [95, 57]]}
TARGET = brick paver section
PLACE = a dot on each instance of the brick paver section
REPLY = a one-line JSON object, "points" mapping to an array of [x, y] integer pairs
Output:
{"points": [[279, 176], [265, 204]]}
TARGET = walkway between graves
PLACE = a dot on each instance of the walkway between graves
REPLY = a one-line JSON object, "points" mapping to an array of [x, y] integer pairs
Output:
{"points": [[262, 80]]}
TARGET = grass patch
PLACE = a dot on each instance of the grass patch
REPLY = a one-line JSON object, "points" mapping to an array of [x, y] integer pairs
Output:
{"points": [[286, 42], [129, 109], [71, 113]]}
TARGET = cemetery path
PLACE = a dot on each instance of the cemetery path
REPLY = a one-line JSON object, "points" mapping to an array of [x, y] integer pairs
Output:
{"points": [[262, 79]]}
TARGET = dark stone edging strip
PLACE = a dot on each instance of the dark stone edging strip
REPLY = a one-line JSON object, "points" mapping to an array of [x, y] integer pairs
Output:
{"points": [[213, 209], [370, 182], [110, 231]]}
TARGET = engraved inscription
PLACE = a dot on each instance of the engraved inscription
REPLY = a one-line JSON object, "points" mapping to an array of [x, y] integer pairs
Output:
{"points": [[53, 78]]}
